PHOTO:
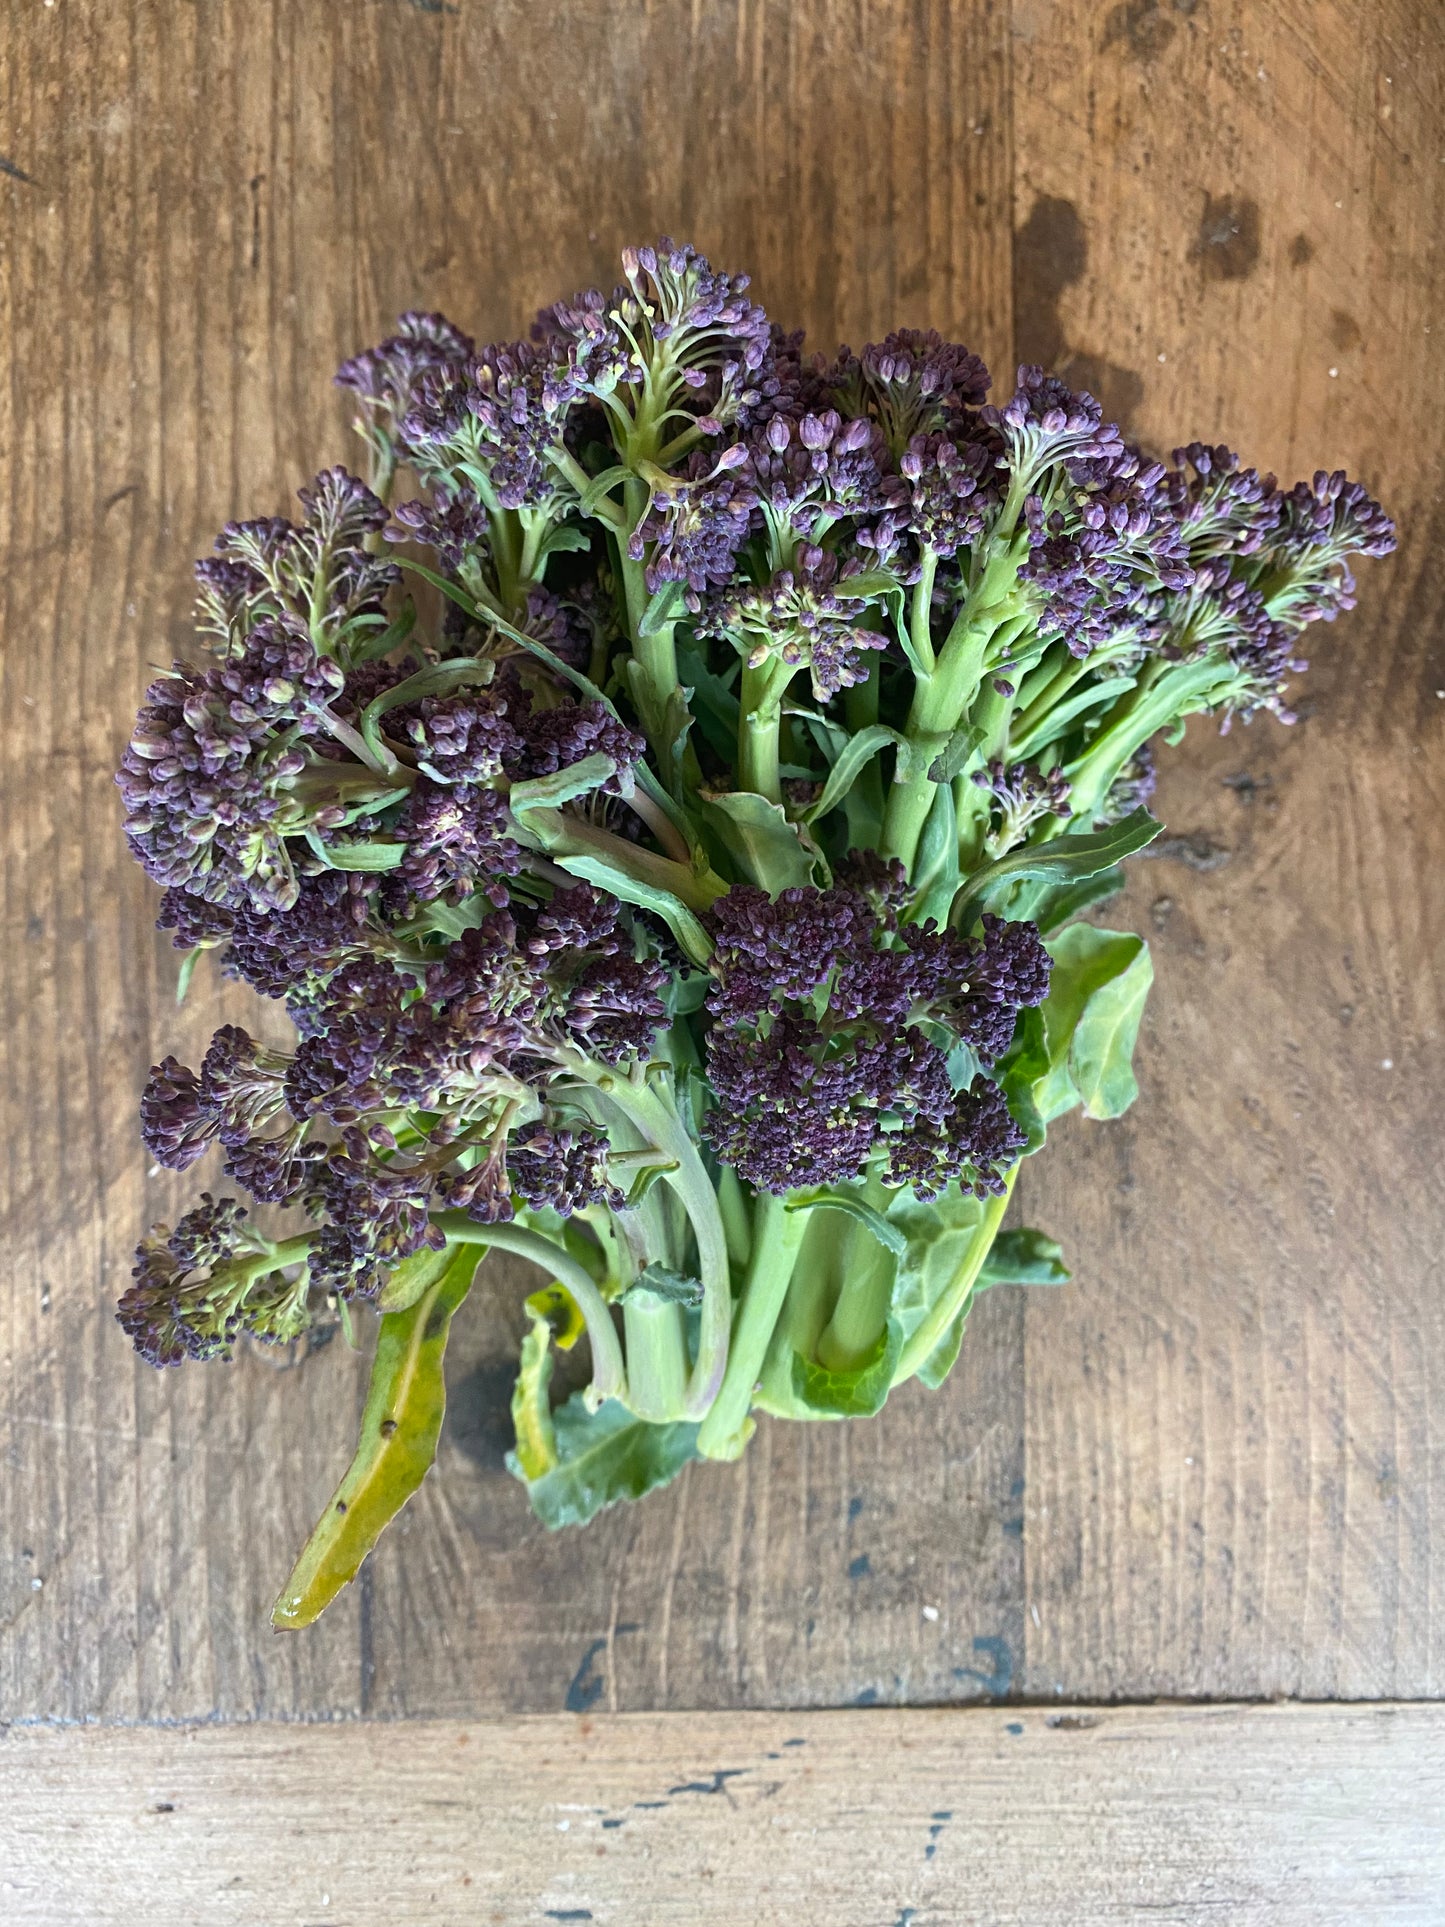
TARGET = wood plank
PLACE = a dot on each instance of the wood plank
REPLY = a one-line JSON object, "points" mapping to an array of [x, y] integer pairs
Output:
{"points": [[205, 209], [1290, 1816], [1234, 1421]]}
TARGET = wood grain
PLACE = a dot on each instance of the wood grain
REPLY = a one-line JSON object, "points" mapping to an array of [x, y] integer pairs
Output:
{"points": [[1234, 1427], [1261, 1816], [1205, 1468]]}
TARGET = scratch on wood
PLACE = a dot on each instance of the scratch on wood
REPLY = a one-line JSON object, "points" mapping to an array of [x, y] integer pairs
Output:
{"points": [[17, 173]]}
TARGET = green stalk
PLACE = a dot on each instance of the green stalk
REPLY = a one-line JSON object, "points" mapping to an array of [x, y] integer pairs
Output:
{"points": [[1151, 705], [777, 1234], [693, 1188], [867, 1290], [656, 1357], [760, 726], [609, 1377], [929, 1334]]}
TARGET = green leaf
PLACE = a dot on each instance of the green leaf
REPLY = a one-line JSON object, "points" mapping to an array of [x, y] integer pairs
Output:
{"points": [[692, 938], [437, 679], [599, 486], [1064, 859], [1023, 1258], [935, 869], [888, 1235], [960, 746], [661, 609], [1052, 909], [551, 792], [536, 1452], [857, 752], [671, 1286], [412, 1278], [713, 701], [856, 1393], [1086, 962], [564, 538], [400, 1427], [940, 1233], [758, 836], [387, 639], [1101, 1056], [944, 1356], [493, 619], [373, 856], [603, 1456]]}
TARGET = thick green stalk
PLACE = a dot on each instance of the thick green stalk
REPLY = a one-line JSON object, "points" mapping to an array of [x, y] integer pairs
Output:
{"points": [[1151, 705], [656, 1357], [777, 1234], [867, 1290], [693, 1188], [935, 1325]]}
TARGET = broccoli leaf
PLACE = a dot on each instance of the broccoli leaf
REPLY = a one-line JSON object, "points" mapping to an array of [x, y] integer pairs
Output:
{"points": [[857, 1392], [400, 1427], [888, 1235], [536, 1452], [603, 1456], [944, 1356], [1023, 1257], [1091, 1019], [856, 752], [1101, 1056], [1053, 908], [941, 1234], [767, 848], [1063, 859]]}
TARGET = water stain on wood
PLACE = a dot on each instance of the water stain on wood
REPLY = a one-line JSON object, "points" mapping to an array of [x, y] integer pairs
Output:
{"points": [[1227, 243]]}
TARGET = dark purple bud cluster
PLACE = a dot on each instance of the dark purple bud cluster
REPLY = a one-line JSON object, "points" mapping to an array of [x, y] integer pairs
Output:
{"points": [[454, 523], [1045, 423], [827, 1048], [388, 379], [952, 490], [704, 316], [318, 579], [197, 1288], [402, 1095], [804, 617], [1102, 543], [208, 775]]}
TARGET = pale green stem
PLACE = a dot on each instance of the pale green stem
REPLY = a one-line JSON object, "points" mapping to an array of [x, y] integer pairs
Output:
{"points": [[609, 1377], [777, 1234]]}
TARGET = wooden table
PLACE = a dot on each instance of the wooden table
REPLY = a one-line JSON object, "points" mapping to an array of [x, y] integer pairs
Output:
{"points": [[1209, 1470]]}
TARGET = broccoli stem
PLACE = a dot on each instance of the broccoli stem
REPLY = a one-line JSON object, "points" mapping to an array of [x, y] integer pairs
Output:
{"points": [[760, 726], [865, 1294], [941, 695], [690, 1183], [656, 691], [609, 1377], [946, 1307], [777, 1235], [656, 1357]]}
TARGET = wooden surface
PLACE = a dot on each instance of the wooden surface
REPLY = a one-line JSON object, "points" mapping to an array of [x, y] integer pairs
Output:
{"points": [[1204, 1469], [1323, 1816]]}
